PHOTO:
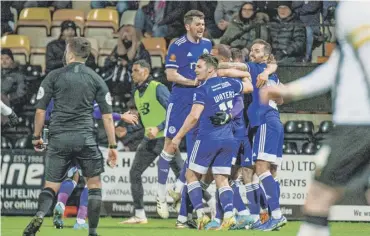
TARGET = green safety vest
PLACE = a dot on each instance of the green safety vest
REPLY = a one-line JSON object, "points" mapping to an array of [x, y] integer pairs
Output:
{"points": [[152, 113]]}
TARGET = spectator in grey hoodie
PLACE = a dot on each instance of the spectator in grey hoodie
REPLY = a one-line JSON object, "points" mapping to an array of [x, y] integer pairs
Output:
{"points": [[224, 13]]}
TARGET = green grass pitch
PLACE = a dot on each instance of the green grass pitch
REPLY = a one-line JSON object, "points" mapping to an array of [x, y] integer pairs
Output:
{"points": [[13, 226]]}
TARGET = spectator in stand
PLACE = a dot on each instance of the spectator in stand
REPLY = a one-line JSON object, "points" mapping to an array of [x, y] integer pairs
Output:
{"points": [[56, 48], [174, 18], [12, 80], [53, 5], [328, 11], [208, 8], [288, 35], [121, 5], [268, 7], [224, 13], [246, 26], [148, 17], [119, 64], [309, 13]]}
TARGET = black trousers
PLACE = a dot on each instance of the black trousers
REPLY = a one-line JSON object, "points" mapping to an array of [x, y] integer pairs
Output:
{"points": [[146, 153]]}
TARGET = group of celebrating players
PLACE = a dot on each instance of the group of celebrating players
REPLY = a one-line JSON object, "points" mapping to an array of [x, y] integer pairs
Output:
{"points": [[206, 106]]}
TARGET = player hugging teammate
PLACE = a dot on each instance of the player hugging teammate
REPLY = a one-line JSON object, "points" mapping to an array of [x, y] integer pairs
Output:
{"points": [[220, 140]]}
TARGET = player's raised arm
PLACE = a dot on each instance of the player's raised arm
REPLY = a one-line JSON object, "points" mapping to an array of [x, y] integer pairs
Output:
{"points": [[174, 60], [233, 65]]}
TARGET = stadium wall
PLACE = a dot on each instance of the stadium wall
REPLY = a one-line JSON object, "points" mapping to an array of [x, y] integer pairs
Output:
{"points": [[22, 178]]}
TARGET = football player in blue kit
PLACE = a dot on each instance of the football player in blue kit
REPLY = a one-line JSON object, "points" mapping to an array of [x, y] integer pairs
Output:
{"points": [[223, 54], [267, 145], [214, 146], [244, 156], [180, 64]]}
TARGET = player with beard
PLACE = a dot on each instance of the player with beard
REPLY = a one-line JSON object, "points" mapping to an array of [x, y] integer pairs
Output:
{"points": [[180, 64]]}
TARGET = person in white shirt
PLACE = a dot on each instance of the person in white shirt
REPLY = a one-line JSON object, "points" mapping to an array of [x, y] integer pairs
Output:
{"points": [[347, 75]]}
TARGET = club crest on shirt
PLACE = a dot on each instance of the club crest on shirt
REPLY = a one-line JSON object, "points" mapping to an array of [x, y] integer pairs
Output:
{"points": [[40, 93], [172, 129], [172, 57]]}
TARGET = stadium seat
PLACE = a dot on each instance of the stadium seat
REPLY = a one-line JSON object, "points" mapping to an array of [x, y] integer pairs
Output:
{"points": [[290, 148], [5, 143], [324, 129], [128, 18], [309, 148], [38, 52], [155, 46], [81, 5], [77, 16], [35, 23], [329, 48], [24, 143], [156, 62], [298, 130], [20, 46], [100, 22], [322, 59]]}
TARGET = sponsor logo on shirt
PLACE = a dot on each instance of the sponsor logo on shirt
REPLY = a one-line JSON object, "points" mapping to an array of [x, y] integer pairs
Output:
{"points": [[173, 57]]}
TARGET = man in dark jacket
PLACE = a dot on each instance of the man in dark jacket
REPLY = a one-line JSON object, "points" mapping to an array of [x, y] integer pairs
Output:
{"points": [[55, 49], [12, 80], [174, 18], [309, 13], [288, 35]]}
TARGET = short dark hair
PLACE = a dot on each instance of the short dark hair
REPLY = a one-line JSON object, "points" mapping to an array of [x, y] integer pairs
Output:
{"points": [[209, 60], [236, 53], [80, 47], [267, 46], [223, 50], [189, 16], [143, 64]]}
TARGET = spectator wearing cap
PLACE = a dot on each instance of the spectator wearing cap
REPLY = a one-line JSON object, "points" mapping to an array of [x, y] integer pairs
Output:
{"points": [[12, 80], [309, 13], [246, 26], [288, 35], [55, 49]]}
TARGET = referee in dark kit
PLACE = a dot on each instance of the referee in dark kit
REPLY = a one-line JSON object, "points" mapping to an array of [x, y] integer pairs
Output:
{"points": [[74, 89]]}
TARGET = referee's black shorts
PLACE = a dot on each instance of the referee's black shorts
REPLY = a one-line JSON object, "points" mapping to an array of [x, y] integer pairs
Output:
{"points": [[71, 149], [349, 155]]}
